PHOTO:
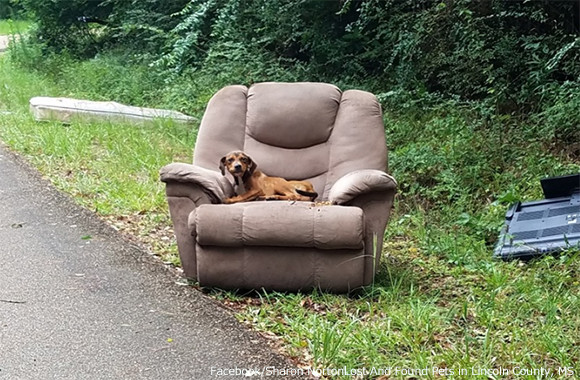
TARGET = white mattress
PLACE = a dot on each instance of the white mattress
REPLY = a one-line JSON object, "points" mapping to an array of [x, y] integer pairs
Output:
{"points": [[66, 110]]}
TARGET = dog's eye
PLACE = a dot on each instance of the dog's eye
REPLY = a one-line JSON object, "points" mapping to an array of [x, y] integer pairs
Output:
{"points": [[244, 160], [230, 160]]}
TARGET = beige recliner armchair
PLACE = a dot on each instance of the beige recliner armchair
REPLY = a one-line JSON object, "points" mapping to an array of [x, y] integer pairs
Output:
{"points": [[301, 131]]}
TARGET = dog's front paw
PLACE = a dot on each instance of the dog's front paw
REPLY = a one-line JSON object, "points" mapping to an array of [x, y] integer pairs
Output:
{"points": [[229, 201]]}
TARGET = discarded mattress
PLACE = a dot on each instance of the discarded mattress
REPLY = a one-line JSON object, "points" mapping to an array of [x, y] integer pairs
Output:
{"points": [[67, 110]]}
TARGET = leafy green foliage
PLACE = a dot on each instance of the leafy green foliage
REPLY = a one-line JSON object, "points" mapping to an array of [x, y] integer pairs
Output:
{"points": [[560, 118], [470, 49], [11, 9], [59, 25], [141, 25], [509, 53], [13, 27]]}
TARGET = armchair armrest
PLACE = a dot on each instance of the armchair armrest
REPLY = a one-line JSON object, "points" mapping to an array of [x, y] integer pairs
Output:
{"points": [[374, 192], [188, 187], [359, 182], [211, 182]]}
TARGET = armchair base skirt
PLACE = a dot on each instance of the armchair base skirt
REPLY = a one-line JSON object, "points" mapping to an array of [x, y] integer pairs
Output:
{"points": [[280, 268]]}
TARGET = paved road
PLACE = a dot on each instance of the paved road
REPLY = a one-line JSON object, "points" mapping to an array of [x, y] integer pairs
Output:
{"points": [[73, 307]]}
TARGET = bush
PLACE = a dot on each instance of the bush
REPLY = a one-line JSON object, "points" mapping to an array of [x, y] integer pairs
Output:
{"points": [[512, 55], [504, 51], [84, 28], [559, 121], [11, 9], [59, 25]]}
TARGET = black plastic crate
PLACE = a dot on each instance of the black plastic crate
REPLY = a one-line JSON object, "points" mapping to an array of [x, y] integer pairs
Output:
{"points": [[545, 226]]}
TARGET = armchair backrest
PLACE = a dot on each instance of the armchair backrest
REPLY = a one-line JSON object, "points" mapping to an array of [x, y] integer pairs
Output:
{"points": [[303, 131]]}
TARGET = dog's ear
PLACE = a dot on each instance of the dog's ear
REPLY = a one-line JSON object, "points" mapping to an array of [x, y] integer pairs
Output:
{"points": [[223, 165], [251, 166], [250, 169]]}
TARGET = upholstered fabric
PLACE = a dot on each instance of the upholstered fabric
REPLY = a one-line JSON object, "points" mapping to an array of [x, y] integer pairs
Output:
{"points": [[281, 268], [298, 131], [279, 224], [360, 182], [309, 131], [295, 116], [212, 182]]}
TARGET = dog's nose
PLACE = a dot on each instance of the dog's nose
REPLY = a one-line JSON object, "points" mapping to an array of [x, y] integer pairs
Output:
{"points": [[238, 167]]}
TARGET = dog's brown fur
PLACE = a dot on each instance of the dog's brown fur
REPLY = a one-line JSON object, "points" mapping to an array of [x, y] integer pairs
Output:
{"points": [[257, 185]]}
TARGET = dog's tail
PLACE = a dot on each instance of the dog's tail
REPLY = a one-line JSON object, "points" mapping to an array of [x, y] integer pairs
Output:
{"points": [[312, 195]]}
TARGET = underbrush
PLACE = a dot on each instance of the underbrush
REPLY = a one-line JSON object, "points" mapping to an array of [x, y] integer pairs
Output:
{"points": [[439, 300], [9, 27]]}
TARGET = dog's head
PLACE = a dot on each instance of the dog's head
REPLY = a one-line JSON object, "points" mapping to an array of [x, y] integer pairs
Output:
{"points": [[238, 164]]}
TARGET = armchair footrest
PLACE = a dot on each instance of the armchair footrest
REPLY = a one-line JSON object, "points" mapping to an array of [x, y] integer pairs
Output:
{"points": [[279, 224]]}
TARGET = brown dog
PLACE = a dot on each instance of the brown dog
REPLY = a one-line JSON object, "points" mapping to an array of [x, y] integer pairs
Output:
{"points": [[257, 185]]}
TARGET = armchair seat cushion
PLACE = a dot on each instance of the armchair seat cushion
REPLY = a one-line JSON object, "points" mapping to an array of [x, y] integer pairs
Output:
{"points": [[278, 224]]}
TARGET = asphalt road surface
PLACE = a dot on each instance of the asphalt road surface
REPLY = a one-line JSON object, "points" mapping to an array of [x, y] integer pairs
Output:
{"points": [[77, 301]]}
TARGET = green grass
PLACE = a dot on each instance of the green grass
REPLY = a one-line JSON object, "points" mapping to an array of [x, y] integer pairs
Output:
{"points": [[439, 300], [8, 27], [111, 169]]}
